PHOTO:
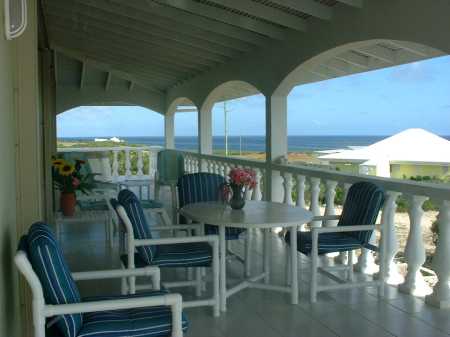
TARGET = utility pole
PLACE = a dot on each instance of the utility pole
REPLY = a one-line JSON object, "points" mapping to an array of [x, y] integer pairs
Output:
{"points": [[225, 126]]}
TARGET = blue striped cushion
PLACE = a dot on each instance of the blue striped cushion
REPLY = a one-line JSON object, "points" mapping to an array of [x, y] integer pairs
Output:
{"points": [[328, 242], [363, 203], [198, 254], [58, 285], [177, 255], [142, 322], [203, 187], [141, 228]]}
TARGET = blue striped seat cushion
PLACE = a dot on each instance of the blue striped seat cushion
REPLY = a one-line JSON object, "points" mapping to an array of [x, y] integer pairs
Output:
{"points": [[57, 283], [197, 254], [141, 228], [142, 322], [362, 205], [328, 242], [203, 187]]}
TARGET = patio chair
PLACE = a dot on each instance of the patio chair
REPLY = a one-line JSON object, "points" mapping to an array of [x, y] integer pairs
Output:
{"points": [[203, 187], [59, 310], [353, 231], [170, 166], [144, 248]]}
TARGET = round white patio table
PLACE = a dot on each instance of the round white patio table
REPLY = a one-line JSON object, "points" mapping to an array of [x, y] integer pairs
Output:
{"points": [[255, 214]]}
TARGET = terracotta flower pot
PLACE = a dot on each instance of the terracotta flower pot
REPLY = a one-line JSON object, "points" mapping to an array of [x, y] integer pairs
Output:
{"points": [[68, 203]]}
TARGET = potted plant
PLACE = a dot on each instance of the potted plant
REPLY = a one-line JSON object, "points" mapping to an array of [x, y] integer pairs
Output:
{"points": [[239, 181], [67, 177]]}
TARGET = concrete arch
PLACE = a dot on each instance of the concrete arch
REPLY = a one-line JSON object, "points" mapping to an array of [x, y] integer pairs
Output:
{"points": [[180, 101], [228, 90], [350, 59], [69, 97], [416, 21]]}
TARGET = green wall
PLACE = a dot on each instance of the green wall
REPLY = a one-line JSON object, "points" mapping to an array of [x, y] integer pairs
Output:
{"points": [[8, 276]]}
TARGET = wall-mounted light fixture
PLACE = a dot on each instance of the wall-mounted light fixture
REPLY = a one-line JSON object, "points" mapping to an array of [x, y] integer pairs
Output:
{"points": [[15, 18]]}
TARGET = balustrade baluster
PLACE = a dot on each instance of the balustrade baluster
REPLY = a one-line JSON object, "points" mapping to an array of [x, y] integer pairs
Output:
{"points": [[300, 202], [330, 193], [257, 190], [392, 276], [127, 163], [115, 164], [140, 163], [441, 292], [415, 250], [315, 206], [287, 182]]}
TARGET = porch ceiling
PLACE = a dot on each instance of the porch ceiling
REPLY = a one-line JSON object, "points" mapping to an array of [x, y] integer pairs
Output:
{"points": [[158, 45]]}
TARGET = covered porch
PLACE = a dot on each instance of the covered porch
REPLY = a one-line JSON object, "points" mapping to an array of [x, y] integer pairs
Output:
{"points": [[178, 56]]}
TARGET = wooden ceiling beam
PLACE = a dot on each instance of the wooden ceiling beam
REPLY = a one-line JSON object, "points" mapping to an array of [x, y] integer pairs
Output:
{"points": [[308, 7], [87, 16], [227, 17], [139, 40], [135, 12], [267, 13]]}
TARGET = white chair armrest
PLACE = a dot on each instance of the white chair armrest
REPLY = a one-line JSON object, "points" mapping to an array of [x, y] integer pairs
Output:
{"points": [[338, 229], [213, 239], [325, 217], [175, 227], [116, 273], [172, 300]]}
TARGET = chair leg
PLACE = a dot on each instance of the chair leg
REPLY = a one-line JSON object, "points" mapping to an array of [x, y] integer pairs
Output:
{"points": [[313, 286], [287, 267], [350, 266], [199, 283], [124, 284], [247, 253]]}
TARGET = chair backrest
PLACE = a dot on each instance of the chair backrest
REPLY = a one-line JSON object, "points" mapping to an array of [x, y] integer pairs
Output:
{"points": [[362, 205], [170, 166], [199, 187], [141, 227], [56, 282]]}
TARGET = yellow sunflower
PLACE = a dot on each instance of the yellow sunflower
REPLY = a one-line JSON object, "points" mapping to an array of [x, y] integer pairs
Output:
{"points": [[58, 163], [66, 169]]}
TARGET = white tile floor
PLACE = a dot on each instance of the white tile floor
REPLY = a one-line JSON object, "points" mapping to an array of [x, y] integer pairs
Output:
{"points": [[252, 312]]}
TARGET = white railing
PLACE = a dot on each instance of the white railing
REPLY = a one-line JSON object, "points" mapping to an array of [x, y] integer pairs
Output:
{"points": [[119, 163], [307, 181]]}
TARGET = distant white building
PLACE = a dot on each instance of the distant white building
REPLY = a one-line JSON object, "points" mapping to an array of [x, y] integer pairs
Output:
{"points": [[412, 152]]}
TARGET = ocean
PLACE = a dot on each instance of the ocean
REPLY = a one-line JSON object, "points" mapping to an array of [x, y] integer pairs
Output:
{"points": [[253, 143]]}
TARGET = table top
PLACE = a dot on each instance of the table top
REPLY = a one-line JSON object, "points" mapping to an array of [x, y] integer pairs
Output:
{"points": [[260, 214]]}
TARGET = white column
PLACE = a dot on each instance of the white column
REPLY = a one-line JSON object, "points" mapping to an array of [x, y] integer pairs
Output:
{"points": [[205, 130], [441, 292], [315, 207], [169, 130], [276, 144], [415, 250], [392, 275], [330, 193]]}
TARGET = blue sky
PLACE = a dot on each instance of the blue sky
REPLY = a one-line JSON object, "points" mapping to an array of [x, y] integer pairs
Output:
{"points": [[380, 102]]}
